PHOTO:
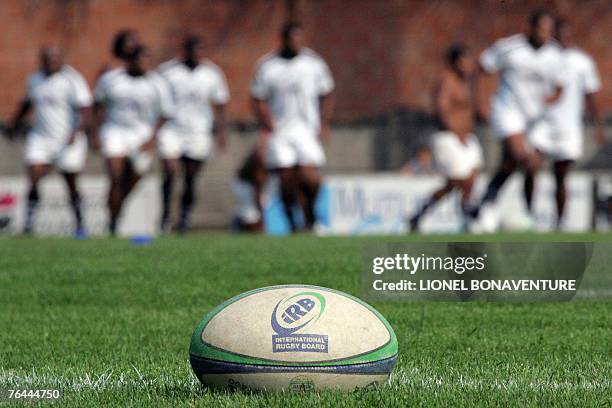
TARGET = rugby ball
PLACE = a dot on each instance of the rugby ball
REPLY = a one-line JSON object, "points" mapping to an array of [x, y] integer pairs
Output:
{"points": [[293, 337]]}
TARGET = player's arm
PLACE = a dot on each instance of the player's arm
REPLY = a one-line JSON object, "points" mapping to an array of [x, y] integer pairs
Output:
{"points": [[557, 80], [325, 86], [592, 107], [22, 110], [260, 92], [260, 178], [98, 115], [443, 106], [490, 62], [81, 100], [442, 103], [165, 109], [220, 125], [83, 122], [150, 143], [261, 110], [554, 96], [480, 96], [592, 86], [326, 107]]}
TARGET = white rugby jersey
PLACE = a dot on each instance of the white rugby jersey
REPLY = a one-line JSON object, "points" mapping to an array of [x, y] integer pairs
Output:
{"points": [[292, 88], [56, 100], [133, 103], [193, 92], [581, 78], [527, 75]]}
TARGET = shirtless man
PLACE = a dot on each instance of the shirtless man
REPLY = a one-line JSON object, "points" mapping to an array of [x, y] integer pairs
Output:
{"points": [[457, 153]]}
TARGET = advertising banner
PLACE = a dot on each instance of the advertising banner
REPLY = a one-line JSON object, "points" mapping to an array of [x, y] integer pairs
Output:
{"points": [[382, 203], [54, 216]]}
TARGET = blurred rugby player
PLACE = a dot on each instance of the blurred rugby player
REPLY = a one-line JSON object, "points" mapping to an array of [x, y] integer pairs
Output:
{"points": [[247, 187], [292, 99], [60, 101], [456, 151], [530, 69], [200, 93], [560, 136], [132, 103]]}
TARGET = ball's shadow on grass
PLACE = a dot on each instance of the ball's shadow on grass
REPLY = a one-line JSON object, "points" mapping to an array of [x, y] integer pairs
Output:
{"points": [[202, 391]]}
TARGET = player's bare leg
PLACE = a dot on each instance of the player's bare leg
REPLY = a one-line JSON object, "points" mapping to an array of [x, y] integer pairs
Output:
{"points": [[435, 197], [36, 172], [466, 186], [75, 202], [191, 169], [561, 169], [463, 185], [529, 186], [289, 192], [515, 155], [130, 178], [310, 184], [170, 169], [116, 169]]}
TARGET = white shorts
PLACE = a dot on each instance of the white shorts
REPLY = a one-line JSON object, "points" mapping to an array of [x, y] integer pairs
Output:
{"points": [[119, 142], [46, 150], [456, 160], [556, 144], [246, 206], [506, 121], [173, 143], [297, 149]]}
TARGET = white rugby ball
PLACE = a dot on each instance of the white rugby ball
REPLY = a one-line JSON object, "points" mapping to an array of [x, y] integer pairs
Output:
{"points": [[293, 337]]}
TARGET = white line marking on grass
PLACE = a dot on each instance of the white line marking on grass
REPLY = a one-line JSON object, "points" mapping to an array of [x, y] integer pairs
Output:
{"points": [[593, 294], [95, 381], [415, 377], [137, 380]]}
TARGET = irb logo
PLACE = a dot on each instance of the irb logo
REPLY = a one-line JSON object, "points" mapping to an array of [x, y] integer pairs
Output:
{"points": [[294, 312], [298, 310]]}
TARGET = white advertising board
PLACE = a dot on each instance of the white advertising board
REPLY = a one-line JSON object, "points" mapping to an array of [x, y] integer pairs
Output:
{"points": [[381, 204], [54, 216]]}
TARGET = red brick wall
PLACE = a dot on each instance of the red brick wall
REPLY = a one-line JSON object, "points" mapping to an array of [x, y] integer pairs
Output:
{"points": [[384, 54]]}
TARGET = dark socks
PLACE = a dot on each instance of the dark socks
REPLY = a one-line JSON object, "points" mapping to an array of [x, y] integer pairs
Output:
{"points": [[528, 190], [75, 203], [112, 227], [167, 188], [187, 202], [310, 193], [495, 186], [33, 199], [289, 201], [414, 221]]}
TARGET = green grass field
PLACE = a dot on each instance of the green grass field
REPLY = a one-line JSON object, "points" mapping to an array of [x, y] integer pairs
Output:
{"points": [[110, 324]]}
